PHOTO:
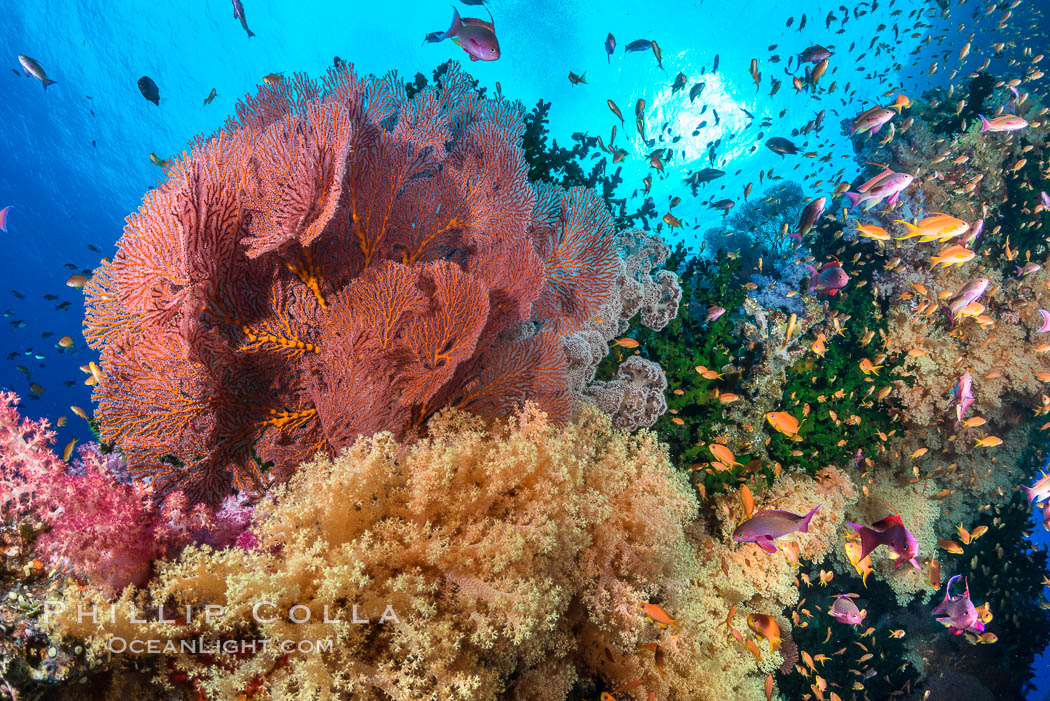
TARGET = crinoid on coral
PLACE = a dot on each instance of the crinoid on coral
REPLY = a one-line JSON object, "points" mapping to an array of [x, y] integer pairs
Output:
{"points": [[341, 259], [514, 557]]}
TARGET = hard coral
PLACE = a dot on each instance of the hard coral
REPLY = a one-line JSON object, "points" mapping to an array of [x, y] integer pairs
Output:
{"points": [[333, 222]]}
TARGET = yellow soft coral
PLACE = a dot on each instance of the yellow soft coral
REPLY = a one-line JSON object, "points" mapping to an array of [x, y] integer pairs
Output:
{"points": [[704, 661], [514, 557]]}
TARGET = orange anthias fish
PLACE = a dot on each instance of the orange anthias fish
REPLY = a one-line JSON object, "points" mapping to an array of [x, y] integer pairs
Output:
{"points": [[783, 422], [765, 627], [657, 615], [723, 454], [873, 232], [863, 565], [953, 255], [902, 102], [748, 500]]}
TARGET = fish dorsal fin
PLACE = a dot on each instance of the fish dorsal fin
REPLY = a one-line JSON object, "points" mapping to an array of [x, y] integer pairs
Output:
{"points": [[897, 513]]}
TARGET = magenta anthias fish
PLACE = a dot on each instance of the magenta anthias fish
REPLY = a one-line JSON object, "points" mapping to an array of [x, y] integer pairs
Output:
{"points": [[713, 312], [845, 611], [768, 526], [1008, 122], [830, 278], [1039, 491], [888, 188], [962, 395], [809, 217], [890, 532], [1042, 313], [476, 36], [958, 613], [871, 120], [967, 294]]}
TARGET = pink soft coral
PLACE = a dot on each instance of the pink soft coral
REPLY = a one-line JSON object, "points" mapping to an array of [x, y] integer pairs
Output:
{"points": [[105, 527]]}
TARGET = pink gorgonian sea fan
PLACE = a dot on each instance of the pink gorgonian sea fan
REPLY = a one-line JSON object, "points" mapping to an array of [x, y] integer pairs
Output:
{"points": [[338, 260]]}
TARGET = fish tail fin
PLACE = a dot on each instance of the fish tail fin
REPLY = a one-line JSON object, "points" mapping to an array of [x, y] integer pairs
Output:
{"points": [[1030, 493], [853, 197], [457, 24], [869, 539], [984, 123], [803, 526], [250, 34], [48, 81]]}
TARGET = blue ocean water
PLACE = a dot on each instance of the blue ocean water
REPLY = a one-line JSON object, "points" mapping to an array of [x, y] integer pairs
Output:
{"points": [[75, 156]]}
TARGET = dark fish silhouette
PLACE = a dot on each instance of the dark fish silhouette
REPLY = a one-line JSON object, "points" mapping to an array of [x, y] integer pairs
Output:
{"points": [[638, 45], [149, 90], [779, 144], [238, 13], [610, 46]]}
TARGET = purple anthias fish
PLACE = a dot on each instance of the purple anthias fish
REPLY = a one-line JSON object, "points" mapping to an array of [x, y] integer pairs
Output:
{"points": [[958, 613], [476, 36], [713, 312], [845, 611], [871, 120], [831, 278], [1007, 122], [967, 295], [1044, 199], [962, 395], [814, 54], [1012, 105], [768, 526], [975, 231], [888, 189], [810, 215], [1028, 269], [890, 532], [1038, 492]]}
